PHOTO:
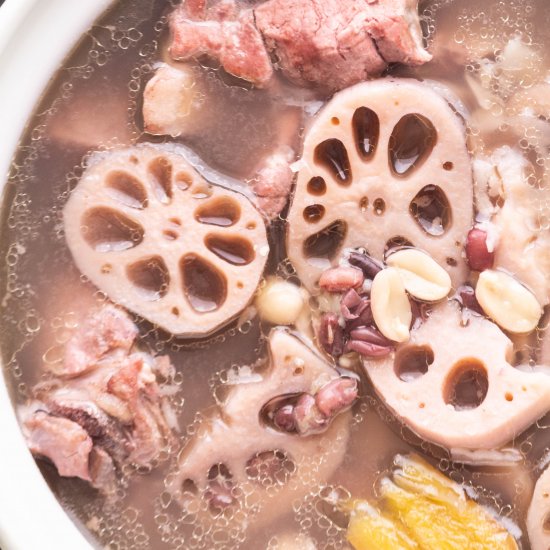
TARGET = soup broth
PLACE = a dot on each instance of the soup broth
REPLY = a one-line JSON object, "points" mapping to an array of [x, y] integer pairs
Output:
{"points": [[94, 103]]}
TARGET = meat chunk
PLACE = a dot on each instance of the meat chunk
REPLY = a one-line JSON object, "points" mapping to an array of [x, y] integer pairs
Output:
{"points": [[316, 42], [64, 442], [100, 334], [273, 182], [224, 33], [107, 413]]}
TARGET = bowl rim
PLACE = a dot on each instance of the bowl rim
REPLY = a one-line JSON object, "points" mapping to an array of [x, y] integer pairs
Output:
{"points": [[24, 494]]}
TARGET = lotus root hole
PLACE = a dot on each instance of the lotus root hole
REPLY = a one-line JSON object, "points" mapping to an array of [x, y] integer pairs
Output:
{"points": [[379, 206], [467, 385], [314, 213], [509, 396], [108, 230], [413, 362], [234, 249], [201, 191], [546, 521], [270, 468], [273, 407], [150, 276], [335, 121], [126, 188], [364, 204], [317, 186], [175, 221], [170, 235], [411, 143], [240, 284], [160, 174], [448, 166], [396, 243], [325, 244], [451, 262], [366, 131], [431, 210], [106, 268], [333, 156], [183, 181], [204, 286], [133, 159], [251, 225], [221, 211], [175, 312]]}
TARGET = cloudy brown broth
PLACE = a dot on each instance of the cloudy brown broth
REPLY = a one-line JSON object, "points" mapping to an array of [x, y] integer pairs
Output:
{"points": [[94, 102]]}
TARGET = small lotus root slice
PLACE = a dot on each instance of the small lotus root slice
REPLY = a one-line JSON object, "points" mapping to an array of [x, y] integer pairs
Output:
{"points": [[153, 235], [235, 433], [384, 162], [453, 384], [538, 516]]}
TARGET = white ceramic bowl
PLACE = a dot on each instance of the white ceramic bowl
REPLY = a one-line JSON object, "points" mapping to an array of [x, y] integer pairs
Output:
{"points": [[35, 37]]}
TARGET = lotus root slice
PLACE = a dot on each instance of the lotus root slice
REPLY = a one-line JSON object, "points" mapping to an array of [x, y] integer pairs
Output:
{"points": [[293, 367], [538, 516], [384, 162], [453, 384], [158, 239]]}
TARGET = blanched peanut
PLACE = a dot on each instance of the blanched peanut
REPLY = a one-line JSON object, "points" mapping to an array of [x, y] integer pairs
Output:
{"points": [[340, 279], [280, 302], [507, 302], [422, 276], [390, 305]]}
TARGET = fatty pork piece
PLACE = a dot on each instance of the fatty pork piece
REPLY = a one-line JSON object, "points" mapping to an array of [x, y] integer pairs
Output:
{"points": [[316, 42], [380, 167], [517, 232], [538, 517], [452, 383], [158, 239], [103, 408], [271, 439]]}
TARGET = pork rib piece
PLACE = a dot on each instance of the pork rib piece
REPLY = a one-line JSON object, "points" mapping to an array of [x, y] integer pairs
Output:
{"points": [[86, 420], [539, 514], [453, 384], [379, 165], [235, 436], [222, 32], [157, 238], [326, 43]]}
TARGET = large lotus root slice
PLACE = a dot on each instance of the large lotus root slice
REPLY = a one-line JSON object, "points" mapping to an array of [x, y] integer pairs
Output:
{"points": [[384, 163], [259, 463], [538, 517], [153, 235], [453, 383]]}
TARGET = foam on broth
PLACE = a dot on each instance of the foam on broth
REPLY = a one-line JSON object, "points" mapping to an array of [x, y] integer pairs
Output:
{"points": [[94, 103]]}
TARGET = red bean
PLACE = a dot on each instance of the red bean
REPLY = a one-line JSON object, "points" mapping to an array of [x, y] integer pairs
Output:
{"points": [[477, 253], [369, 266], [370, 335], [466, 295], [283, 418], [340, 279], [331, 335], [308, 417], [366, 349], [336, 396]]}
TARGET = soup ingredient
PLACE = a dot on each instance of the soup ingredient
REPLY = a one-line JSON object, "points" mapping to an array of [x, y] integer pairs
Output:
{"points": [[225, 33], [153, 235], [239, 436], [505, 300], [340, 279], [538, 517], [390, 305], [477, 250], [423, 278], [523, 247], [424, 509], [169, 104], [280, 302], [316, 43], [110, 412], [375, 151], [273, 181], [453, 385]]}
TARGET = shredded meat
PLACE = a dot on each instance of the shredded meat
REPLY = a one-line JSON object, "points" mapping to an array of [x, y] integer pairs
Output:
{"points": [[109, 412], [326, 43]]}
